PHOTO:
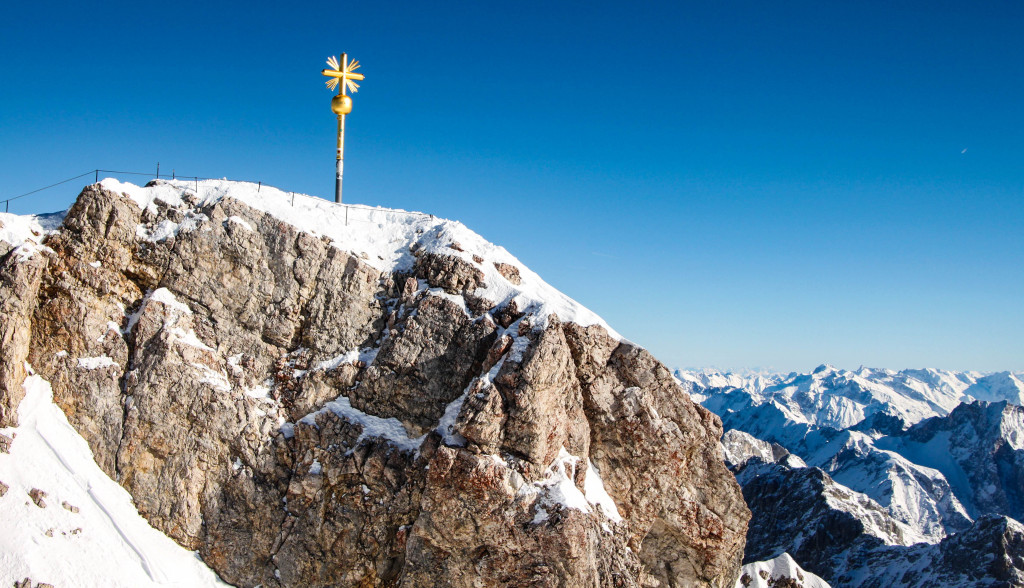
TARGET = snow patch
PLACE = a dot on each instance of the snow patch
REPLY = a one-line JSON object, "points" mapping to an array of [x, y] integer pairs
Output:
{"points": [[96, 363], [558, 487], [596, 494], [240, 222], [373, 426]]}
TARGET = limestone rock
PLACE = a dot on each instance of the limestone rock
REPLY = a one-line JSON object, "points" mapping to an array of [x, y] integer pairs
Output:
{"points": [[509, 272], [19, 289], [453, 274], [427, 363], [37, 497], [303, 419]]}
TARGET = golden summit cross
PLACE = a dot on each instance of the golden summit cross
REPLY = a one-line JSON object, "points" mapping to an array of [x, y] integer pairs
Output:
{"points": [[342, 76]]}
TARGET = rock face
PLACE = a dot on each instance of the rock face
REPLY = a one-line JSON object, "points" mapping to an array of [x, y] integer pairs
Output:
{"points": [[303, 418]]}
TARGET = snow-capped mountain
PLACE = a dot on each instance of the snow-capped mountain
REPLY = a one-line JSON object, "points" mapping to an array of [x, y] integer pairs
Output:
{"points": [[869, 479], [756, 380], [839, 399]]}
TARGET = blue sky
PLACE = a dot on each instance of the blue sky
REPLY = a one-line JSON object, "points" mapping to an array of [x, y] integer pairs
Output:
{"points": [[731, 184]]}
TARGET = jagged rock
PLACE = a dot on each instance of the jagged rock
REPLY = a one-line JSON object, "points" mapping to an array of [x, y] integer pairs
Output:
{"points": [[509, 272], [741, 447], [69, 507], [453, 274], [659, 455], [779, 572], [3, 489], [19, 289], [5, 443], [37, 497], [466, 446], [990, 554], [478, 304], [425, 366], [849, 540], [478, 528], [508, 314]]}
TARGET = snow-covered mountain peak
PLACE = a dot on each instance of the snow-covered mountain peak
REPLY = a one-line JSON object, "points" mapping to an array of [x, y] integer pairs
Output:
{"points": [[388, 239]]}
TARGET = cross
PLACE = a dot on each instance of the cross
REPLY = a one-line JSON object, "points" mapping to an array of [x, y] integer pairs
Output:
{"points": [[344, 71], [343, 77]]}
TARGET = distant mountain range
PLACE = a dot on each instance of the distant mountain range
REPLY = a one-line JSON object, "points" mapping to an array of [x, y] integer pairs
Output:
{"points": [[860, 476]]}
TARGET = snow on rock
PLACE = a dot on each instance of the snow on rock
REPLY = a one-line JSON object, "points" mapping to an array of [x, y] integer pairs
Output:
{"points": [[384, 238], [596, 494], [95, 363], [16, 230], [558, 487], [780, 571], [373, 426], [88, 533]]}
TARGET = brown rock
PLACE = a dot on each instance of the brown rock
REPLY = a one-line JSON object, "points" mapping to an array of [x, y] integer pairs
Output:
{"points": [[5, 443], [508, 314], [69, 507], [3, 489], [659, 457], [424, 366], [37, 496], [542, 399], [451, 273], [19, 288], [510, 272], [423, 472]]}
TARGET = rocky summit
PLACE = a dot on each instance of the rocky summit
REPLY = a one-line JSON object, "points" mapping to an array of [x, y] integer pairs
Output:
{"points": [[316, 395]]}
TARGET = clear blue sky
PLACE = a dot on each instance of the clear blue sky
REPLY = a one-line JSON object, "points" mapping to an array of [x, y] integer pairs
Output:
{"points": [[737, 184]]}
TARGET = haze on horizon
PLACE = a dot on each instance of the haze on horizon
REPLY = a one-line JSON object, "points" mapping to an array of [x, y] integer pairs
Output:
{"points": [[732, 184]]}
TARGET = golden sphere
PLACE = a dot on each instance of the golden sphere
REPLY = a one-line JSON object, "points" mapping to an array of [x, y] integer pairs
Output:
{"points": [[341, 104]]}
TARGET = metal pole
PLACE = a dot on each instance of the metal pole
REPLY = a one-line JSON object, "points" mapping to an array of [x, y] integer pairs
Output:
{"points": [[158, 170], [341, 135], [341, 158]]}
